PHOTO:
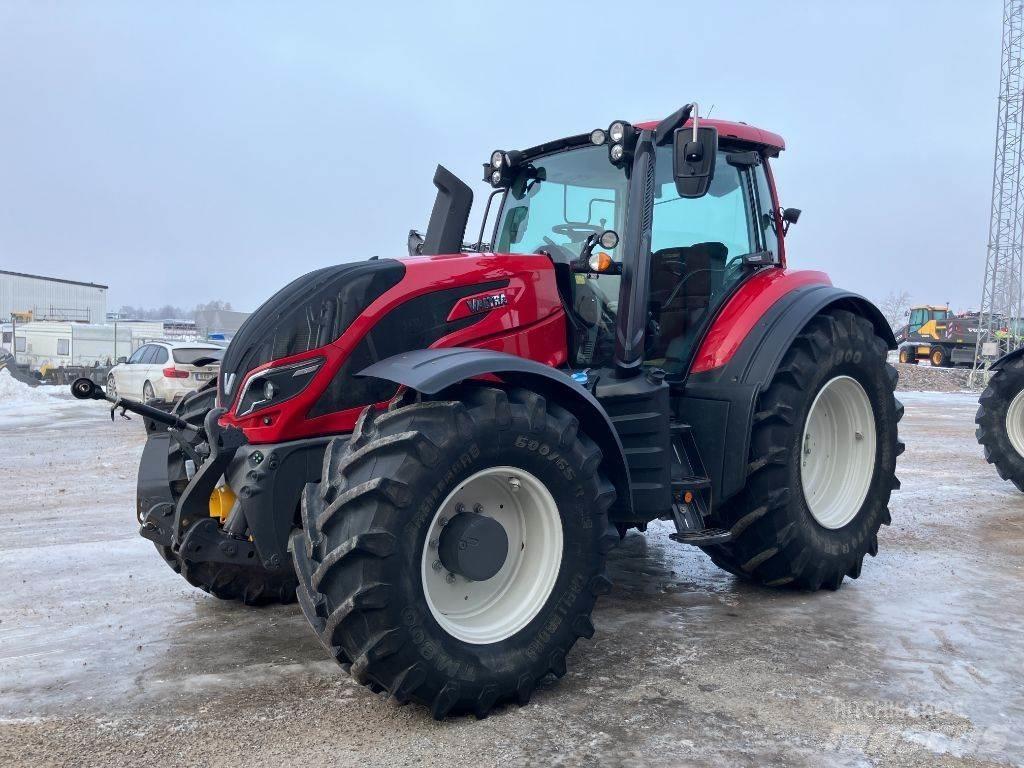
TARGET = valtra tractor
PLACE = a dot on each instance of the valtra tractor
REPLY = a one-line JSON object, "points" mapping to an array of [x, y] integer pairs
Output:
{"points": [[436, 453]]}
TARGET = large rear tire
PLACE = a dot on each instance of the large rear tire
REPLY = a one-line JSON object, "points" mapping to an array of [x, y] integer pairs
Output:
{"points": [[377, 576], [250, 585], [822, 461], [1000, 421]]}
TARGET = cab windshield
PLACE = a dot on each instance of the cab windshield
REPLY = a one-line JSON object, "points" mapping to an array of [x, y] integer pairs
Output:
{"points": [[558, 200]]}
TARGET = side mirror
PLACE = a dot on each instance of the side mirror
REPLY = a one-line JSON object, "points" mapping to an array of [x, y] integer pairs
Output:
{"points": [[789, 216], [693, 165], [415, 243], [122, 360]]}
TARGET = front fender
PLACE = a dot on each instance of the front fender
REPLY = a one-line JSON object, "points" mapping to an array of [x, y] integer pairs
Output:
{"points": [[432, 370]]}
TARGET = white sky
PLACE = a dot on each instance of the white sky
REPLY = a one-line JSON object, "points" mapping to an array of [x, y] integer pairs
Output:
{"points": [[181, 152]]}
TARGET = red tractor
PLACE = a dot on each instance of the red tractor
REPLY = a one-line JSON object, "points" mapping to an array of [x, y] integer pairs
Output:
{"points": [[436, 453]]}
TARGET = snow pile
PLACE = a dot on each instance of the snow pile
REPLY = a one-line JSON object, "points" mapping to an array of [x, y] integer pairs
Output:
{"points": [[25, 406], [14, 392]]}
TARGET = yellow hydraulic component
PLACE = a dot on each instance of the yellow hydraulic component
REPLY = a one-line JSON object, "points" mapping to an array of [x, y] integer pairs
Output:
{"points": [[221, 501]]}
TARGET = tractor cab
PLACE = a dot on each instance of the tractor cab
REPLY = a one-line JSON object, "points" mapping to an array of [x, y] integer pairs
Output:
{"points": [[576, 199]]}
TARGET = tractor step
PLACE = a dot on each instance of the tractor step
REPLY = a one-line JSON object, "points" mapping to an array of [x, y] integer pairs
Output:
{"points": [[704, 537], [689, 483]]}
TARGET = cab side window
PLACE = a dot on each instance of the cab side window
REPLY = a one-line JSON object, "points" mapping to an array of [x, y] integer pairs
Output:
{"points": [[697, 248], [138, 354], [766, 216]]}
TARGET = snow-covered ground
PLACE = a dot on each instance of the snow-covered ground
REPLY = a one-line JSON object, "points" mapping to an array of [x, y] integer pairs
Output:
{"points": [[22, 406]]}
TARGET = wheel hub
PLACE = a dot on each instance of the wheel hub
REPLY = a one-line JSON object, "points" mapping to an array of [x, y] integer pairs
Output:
{"points": [[473, 546], [491, 555], [838, 450]]}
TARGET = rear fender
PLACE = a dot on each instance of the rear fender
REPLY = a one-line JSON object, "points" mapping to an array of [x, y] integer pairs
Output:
{"points": [[719, 403], [432, 370]]}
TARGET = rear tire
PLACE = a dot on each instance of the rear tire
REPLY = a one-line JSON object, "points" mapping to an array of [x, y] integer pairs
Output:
{"points": [[1000, 421], [939, 357], [371, 523], [906, 357], [808, 515], [250, 585]]}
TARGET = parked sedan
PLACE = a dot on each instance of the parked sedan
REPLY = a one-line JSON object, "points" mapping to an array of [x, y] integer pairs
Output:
{"points": [[165, 370]]}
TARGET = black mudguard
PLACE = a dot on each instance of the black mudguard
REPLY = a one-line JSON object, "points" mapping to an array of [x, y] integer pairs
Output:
{"points": [[1008, 357], [719, 404], [431, 370]]}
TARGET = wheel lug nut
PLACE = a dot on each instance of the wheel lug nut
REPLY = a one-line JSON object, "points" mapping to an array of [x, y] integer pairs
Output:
{"points": [[443, 521], [433, 543], [460, 508], [450, 578], [436, 565], [478, 508], [514, 483]]}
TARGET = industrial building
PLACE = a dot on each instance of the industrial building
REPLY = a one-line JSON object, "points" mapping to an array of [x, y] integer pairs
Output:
{"points": [[35, 297]]}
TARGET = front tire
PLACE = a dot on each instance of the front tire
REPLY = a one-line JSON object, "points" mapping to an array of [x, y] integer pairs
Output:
{"points": [[939, 357], [1000, 421], [822, 461], [111, 387], [377, 587]]}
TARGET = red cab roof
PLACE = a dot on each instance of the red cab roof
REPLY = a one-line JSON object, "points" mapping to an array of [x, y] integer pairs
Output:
{"points": [[730, 130]]}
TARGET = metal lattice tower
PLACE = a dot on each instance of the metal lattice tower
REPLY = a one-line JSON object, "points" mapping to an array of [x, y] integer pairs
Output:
{"points": [[999, 322]]}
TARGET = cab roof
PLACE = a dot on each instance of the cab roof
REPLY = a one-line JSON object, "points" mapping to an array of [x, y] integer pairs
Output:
{"points": [[730, 130]]}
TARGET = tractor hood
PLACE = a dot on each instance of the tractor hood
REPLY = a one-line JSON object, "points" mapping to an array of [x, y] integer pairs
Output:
{"points": [[308, 313]]}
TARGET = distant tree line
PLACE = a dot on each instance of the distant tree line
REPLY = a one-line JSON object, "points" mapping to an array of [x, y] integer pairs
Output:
{"points": [[169, 311]]}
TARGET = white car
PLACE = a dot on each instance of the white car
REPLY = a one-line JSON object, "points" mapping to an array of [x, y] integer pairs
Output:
{"points": [[165, 370]]}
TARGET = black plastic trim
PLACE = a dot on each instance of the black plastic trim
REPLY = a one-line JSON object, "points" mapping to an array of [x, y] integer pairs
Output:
{"points": [[432, 370]]}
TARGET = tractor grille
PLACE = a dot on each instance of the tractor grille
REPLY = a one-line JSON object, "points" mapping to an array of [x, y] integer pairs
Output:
{"points": [[308, 313]]}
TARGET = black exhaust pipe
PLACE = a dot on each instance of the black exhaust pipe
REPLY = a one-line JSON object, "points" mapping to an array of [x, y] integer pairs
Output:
{"points": [[448, 219]]}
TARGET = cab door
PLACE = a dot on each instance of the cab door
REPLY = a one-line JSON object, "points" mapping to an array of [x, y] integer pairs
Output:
{"points": [[702, 249]]}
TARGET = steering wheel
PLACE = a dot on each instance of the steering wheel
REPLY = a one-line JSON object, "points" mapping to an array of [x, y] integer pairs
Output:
{"points": [[556, 251], [577, 232]]}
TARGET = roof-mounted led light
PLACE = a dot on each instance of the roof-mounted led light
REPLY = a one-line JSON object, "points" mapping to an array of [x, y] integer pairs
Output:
{"points": [[615, 153], [496, 178], [617, 131], [598, 136], [497, 158]]}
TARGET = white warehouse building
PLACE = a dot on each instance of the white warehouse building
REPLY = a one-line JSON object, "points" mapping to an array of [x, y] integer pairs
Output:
{"points": [[51, 298]]}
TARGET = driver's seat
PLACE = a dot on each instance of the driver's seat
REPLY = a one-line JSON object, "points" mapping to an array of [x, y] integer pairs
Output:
{"points": [[682, 301]]}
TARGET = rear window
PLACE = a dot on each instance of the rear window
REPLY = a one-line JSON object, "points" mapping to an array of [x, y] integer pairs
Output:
{"points": [[187, 356]]}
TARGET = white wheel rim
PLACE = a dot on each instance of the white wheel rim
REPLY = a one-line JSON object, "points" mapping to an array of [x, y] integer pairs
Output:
{"points": [[837, 452], [490, 611], [1015, 423]]}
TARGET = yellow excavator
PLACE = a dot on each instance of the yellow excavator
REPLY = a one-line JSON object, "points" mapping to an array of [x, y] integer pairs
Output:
{"points": [[932, 333]]}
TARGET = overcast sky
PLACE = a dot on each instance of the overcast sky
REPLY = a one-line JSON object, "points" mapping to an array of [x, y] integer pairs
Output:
{"points": [[183, 151]]}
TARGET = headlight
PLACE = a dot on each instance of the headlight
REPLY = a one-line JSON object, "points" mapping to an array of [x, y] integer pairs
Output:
{"points": [[617, 130], [275, 385], [496, 178], [598, 136], [497, 158], [616, 152]]}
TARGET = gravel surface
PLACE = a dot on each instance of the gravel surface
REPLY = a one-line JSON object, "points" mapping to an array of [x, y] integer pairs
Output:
{"points": [[923, 377], [108, 658]]}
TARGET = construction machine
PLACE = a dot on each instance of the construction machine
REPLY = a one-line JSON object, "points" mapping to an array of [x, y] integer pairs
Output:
{"points": [[436, 453], [933, 333]]}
